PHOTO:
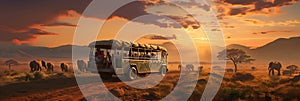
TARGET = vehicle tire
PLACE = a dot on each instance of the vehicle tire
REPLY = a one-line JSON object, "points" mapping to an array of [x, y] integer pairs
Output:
{"points": [[132, 73], [163, 70], [106, 76]]}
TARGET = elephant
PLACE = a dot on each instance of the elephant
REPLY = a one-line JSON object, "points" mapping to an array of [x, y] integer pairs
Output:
{"points": [[200, 68], [179, 67], [190, 67], [34, 66], [229, 70], [64, 67], [50, 67], [274, 66], [43, 64], [81, 65]]}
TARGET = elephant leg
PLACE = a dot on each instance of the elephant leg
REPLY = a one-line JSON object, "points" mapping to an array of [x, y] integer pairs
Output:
{"points": [[33, 69], [278, 72], [271, 71]]}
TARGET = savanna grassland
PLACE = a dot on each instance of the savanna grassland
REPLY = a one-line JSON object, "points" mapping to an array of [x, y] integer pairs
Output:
{"points": [[246, 84]]}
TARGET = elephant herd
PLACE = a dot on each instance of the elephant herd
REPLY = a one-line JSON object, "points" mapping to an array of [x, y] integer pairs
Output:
{"points": [[273, 66], [38, 65], [190, 67]]}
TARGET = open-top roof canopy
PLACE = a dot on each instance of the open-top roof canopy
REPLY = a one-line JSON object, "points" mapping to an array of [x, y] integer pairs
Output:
{"points": [[109, 44]]}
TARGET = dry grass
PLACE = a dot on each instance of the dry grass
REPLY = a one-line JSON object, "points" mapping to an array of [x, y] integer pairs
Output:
{"points": [[243, 85], [9, 77]]}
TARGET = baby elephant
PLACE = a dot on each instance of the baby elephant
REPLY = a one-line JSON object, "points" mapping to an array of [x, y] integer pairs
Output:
{"points": [[64, 67]]}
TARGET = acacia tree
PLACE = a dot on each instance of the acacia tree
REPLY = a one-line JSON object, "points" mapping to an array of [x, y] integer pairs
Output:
{"points": [[10, 63], [236, 56], [292, 68]]}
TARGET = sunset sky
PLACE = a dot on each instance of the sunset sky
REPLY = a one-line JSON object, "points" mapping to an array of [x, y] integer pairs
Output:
{"points": [[52, 23]]}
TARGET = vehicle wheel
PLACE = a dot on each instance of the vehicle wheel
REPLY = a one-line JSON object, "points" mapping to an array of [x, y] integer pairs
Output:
{"points": [[106, 76], [163, 70], [132, 73]]}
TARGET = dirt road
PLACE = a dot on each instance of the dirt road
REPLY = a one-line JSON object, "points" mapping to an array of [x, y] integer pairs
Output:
{"points": [[67, 89]]}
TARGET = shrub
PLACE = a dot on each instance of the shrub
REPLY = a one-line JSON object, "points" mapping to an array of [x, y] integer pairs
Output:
{"points": [[14, 73], [29, 77], [118, 92], [39, 75], [10, 73], [242, 77], [229, 94], [163, 90]]}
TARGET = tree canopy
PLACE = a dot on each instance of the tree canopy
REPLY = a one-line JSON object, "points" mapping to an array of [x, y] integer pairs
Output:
{"points": [[11, 62], [236, 56]]}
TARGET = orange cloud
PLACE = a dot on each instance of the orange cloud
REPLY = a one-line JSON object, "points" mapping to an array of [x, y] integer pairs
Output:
{"points": [[17, 41], [250, 7], [19, 18], [228, 27], [140, 8], [274, 31], [255, 22]]}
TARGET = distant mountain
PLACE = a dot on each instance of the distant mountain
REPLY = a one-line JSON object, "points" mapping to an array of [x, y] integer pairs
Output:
{"points": [[238, 46], [283, 49], [25, 52]]}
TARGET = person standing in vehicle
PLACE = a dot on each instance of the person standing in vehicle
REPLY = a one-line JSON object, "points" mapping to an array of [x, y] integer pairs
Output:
{"points": [[97, 55]]}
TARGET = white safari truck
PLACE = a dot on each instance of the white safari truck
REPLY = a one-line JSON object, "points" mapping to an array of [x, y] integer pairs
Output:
{"points": [[116, 57]]}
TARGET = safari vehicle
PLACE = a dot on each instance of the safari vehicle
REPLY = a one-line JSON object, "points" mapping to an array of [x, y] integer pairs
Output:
{"points": [[130, 59]]}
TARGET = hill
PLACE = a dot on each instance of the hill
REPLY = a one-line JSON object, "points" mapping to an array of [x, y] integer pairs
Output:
{"points": [[28, 52], [283, 49]]}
